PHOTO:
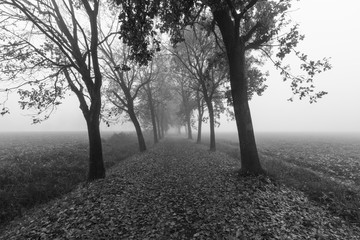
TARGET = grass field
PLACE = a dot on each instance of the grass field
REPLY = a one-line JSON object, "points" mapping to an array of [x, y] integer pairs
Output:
{"points": [[324, 166], [37, 167]]}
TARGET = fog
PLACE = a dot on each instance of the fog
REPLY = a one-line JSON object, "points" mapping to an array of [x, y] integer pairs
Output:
{"points": [[329, 32]]}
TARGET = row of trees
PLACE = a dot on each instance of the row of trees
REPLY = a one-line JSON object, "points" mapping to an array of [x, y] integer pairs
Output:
{"points": [[49, 47], [249, 31], [114, 64]]}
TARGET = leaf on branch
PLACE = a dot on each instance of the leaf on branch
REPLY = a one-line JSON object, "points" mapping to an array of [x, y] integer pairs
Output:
{"points": [[288, 42], [4, 111]]}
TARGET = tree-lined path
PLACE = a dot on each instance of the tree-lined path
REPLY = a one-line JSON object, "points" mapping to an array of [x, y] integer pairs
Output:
{"points": [[180, 190]]}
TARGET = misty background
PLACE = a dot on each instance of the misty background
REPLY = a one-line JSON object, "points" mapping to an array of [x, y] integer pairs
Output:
{"points": [[330, 31]]}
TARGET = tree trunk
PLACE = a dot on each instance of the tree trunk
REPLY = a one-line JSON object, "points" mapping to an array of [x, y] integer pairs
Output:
{"points": [[235, 50], [200, 115], [212, 125], [153, 121], [140, 136], [158, 124], [250, 163], [162, 127], [188, 122], [96, 163], [152, 113], [198, 140]]}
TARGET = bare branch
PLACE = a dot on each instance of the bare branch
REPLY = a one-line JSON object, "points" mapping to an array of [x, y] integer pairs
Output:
{"points": [[247, 7]]}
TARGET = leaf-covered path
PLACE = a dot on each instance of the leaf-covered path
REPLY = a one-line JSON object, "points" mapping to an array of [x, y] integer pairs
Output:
{"points": [[179, 190]]}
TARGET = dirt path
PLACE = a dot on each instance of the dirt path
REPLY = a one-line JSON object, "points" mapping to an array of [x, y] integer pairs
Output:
{"points": [[179, 190]]}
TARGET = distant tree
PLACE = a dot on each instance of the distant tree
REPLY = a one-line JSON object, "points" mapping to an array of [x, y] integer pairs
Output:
{"points": [[151, 106], [163, 105], [49, 46], [200, 105], [154, 95], [161, 119], [126, 79], [206, 64], [184, 86], [161, 93], [246, 27]]}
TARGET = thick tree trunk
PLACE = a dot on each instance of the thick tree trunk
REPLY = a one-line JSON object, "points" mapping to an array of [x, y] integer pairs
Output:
{"points": [[235, 49], [140, 136], [250, 163], [212, 125], [96, 163]]}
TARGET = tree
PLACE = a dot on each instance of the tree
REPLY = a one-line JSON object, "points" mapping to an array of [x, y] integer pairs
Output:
{"points": [[184, 88], [201, 108], [126, 79], [246, 27], [147, 110], [55, 39], [154, 96], [163, 105], [151, 106], [206, 64]]}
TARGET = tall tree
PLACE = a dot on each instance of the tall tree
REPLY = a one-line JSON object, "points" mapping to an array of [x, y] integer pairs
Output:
{"points": [[60, 40], [246, 27]]}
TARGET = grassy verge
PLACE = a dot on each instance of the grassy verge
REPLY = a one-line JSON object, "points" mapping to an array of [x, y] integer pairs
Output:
{"points": [[39, 175], [334, 196]]}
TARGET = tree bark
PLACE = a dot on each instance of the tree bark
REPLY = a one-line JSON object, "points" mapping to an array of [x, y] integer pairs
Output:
{"points": [[235, 49], [162, 127], [152, 113], [158, 124], [96, 163], [209, 104], [212, 125], [188, 122], [200, 116], [153, 121], [198, 140], [140, 136], [250, 163]]}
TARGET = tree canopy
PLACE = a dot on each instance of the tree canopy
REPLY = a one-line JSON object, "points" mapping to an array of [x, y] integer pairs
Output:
{"points": [[262, 25]]}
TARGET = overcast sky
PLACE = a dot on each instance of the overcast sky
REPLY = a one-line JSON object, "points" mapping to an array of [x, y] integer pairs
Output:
{"points": [[332, 30]]}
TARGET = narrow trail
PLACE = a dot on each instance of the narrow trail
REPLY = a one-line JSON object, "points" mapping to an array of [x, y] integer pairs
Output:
{"points": [[180, 190]]}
